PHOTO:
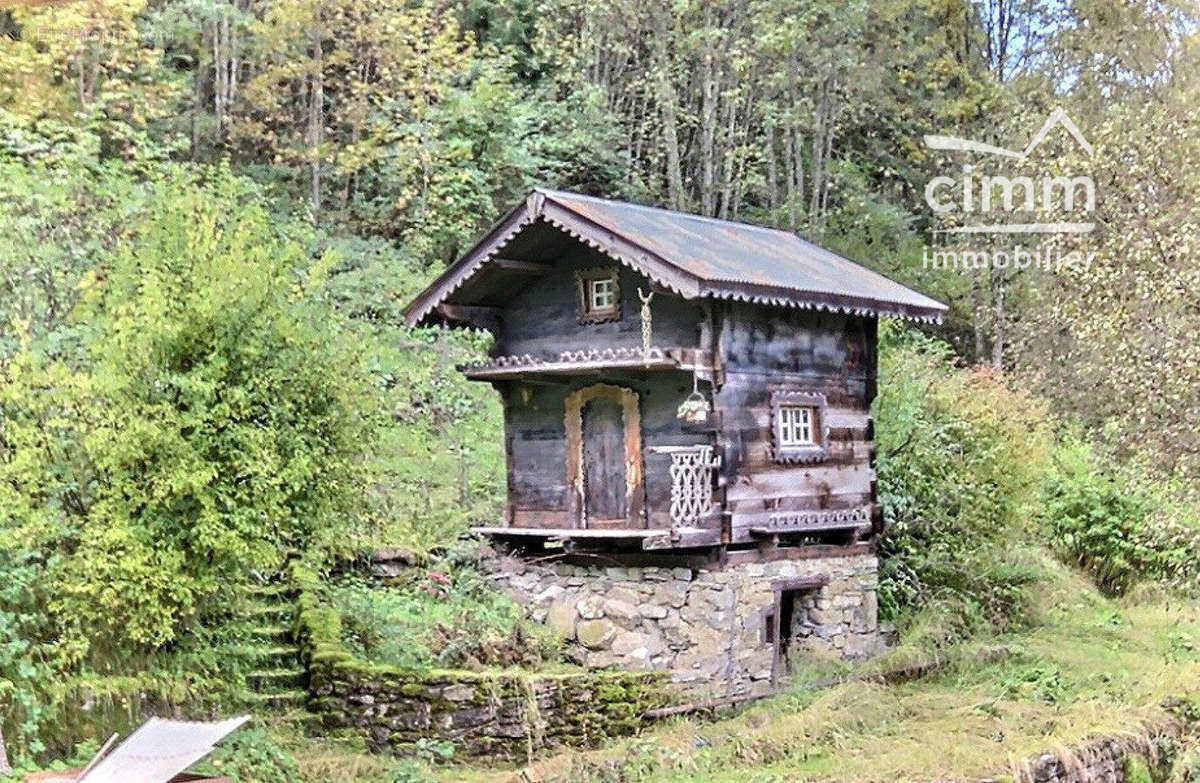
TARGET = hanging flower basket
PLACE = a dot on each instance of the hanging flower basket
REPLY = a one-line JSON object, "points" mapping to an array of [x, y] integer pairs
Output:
{"points": [[694, 410]]}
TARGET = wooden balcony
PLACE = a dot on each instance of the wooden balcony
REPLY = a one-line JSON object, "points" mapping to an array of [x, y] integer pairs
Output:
{"points": [[588, 360]]}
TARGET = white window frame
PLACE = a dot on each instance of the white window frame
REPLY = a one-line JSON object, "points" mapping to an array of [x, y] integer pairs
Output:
{"points": [[602, 295], [796, 426], [599, 295]]}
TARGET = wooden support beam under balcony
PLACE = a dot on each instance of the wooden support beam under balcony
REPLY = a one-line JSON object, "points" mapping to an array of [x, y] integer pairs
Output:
{"points": [[642, 538], [588, 360]]}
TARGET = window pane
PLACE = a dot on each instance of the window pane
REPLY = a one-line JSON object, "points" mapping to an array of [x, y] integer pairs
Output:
{"points": [[795, 425], [601, 294]]}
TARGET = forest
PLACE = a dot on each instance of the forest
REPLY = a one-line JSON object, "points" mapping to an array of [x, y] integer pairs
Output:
{"points": [[214, 212]]}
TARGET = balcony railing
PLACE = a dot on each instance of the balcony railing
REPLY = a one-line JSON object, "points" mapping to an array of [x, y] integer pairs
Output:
{"points": [[692, 478]]}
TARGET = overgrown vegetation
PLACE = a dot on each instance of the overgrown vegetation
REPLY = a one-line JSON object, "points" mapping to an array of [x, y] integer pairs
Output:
{"points": [[213, 212], [1121, 529], [1091, 666], [961, 457], [977, 477], [446, 615]]}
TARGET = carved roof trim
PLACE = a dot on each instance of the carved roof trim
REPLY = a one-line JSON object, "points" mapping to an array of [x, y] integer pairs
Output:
{"points": [[695, 257]]}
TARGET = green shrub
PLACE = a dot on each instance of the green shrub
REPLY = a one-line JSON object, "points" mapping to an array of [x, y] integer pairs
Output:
{"points": [[252, 755], [441, 459], [961, 458], [205, 415], [1119, 529]]}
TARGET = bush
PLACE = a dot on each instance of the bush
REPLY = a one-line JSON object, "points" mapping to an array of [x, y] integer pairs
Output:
{"points": [[205, 415], [1117, 528], [961, 458], [251, 755]]}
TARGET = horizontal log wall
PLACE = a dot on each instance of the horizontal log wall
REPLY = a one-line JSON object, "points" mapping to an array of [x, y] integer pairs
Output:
{"points": [[543, 318], [764, 350], [537, 450]]}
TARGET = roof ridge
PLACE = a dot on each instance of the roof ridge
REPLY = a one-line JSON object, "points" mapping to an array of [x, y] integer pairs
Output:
{"points": [[676, 213]]}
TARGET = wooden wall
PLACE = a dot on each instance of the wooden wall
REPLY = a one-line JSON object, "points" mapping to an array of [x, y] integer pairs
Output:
{"points": [[762, 349], [543, 318], [769, 349], [536, 448]]}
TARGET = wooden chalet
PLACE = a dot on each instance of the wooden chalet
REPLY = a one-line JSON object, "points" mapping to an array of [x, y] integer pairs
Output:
{"points": [[671, 381]]}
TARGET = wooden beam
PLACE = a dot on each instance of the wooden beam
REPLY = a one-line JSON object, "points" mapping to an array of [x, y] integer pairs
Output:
{"points": [[684, 538], [566, 532], [524, 267], [487, 317], [804, 552]]}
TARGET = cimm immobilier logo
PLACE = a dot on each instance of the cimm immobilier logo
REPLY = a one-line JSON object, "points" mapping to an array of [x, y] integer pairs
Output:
{"points": [[970, 204]]}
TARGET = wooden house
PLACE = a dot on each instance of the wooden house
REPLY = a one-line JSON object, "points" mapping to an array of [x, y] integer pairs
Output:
{"points": [[674, 383]]}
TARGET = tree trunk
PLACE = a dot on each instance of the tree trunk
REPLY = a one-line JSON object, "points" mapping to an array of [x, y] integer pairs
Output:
{"points": [[708, 122], [999, 330], [4, 766], [772, 166], [977, 315], [316, 120], [667, 106]]}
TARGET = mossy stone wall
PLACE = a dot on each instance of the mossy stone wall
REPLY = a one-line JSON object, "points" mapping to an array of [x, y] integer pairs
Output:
{"points": [[494, 714], [508, 713]]}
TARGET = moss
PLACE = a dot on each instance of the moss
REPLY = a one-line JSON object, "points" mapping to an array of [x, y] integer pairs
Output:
{"points": [[413, 689], [586, 706], [1137, 770]]}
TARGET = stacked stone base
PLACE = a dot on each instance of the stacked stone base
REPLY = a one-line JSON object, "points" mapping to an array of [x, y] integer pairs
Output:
{"points": [[1108, 759], [482, 714], [707, 627]]}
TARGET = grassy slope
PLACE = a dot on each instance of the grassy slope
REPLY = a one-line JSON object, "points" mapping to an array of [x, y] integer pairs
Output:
{"points": [[1091, 666]]}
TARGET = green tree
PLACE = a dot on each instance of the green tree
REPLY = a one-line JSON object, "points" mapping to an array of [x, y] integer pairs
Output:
{"points": [[214, 418]]}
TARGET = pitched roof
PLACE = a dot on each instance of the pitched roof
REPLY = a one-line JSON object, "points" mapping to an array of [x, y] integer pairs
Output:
{"points": [[695, 257]]}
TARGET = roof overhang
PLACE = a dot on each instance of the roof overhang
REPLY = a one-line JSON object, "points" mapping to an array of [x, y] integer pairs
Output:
{"points": [[556, 210]]}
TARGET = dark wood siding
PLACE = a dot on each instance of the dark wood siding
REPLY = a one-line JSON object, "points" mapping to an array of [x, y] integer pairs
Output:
{"points": [[769, 349], [543, 318], [535, 434]]}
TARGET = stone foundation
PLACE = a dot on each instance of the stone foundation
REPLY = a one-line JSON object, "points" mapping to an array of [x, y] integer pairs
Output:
{"points": [[506, 715], [710, 628], [1107, 759]]}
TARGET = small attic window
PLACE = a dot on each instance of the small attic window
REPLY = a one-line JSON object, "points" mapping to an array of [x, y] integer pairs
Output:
{"points": [[599, 295], [798, 426]]}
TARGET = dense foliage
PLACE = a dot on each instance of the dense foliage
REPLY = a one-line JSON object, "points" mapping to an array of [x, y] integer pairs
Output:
{"points": [[213, 211], [1121, 530], [961, 460], [976, 477], [199, 416]]}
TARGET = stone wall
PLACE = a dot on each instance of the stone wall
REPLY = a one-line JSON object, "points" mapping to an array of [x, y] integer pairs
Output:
{"points": [[707, 627], [498, 713], [494, 714], [1106, 759]]}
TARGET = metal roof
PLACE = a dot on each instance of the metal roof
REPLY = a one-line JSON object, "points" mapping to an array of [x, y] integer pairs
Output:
{"points": [[159, 750], [695, 257]]}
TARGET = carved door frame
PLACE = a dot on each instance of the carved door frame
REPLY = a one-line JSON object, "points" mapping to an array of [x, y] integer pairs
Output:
{"points": [[627, 399]]}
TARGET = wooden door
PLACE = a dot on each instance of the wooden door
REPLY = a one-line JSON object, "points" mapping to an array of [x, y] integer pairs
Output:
{"points": [[604, 457], [605, 490]]}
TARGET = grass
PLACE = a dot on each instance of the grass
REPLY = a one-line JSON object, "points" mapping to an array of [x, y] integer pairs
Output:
{"points": [[448, 616], [1090, 666]]}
